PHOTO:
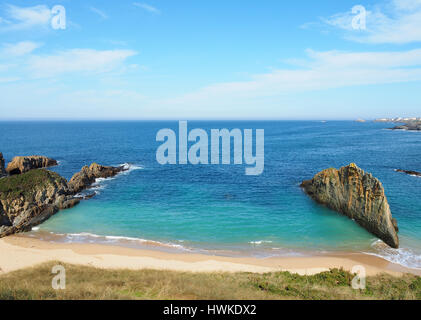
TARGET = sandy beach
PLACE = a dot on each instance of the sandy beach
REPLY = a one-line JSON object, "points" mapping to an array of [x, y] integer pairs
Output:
{"points": [[19, 251]]}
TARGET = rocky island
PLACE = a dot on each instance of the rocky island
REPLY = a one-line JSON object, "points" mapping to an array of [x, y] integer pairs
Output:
{"points": [[359, 196], [30, 195]]}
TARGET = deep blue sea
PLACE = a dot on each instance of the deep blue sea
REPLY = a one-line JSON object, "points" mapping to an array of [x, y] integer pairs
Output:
{"points": [[217, 208]]}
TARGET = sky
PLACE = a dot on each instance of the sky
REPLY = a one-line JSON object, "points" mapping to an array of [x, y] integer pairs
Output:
{"points": [[220, 59]]}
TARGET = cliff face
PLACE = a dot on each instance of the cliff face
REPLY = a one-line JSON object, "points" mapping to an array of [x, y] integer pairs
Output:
{"points": [[28, 199], [23, 164], [357, 195], [2, 169]]}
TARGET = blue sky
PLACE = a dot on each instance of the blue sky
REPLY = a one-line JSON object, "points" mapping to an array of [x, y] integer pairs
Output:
{"points": [[187, 59]]}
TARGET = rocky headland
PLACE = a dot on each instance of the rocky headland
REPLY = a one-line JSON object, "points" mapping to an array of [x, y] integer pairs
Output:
{"points": [[23, 164], [411, 124], [359, 196], [27, 199]]}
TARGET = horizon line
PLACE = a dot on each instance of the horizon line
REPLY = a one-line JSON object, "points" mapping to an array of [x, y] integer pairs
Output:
{"points": [[186, 119]]}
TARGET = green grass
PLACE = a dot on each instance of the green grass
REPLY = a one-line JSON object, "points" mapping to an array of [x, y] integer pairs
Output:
{"points": [[92, 283], [24, 184]]}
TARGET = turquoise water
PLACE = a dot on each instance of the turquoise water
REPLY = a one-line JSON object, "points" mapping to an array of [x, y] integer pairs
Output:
{"points": [[219, 209]]}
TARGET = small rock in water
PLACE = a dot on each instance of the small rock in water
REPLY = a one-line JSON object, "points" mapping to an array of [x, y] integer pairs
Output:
{"points": [[411, 173]]}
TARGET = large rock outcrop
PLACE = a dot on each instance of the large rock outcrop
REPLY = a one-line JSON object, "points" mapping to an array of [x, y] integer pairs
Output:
{"points": [[23, 164], [357, 195], [2, 169], [29, 199], [87, 176]]}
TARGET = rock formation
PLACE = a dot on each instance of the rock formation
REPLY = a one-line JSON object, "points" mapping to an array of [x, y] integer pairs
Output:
{"points": [[357, 195], [411, 173], [23, 164], [2, 169], [29, 199], [87, 176]]}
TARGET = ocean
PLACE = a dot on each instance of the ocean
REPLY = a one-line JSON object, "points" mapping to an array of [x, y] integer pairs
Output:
{"points": [[217, 209]]}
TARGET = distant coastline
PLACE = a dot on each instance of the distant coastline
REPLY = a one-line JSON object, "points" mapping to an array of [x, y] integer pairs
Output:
{"points": [[410, 124]]}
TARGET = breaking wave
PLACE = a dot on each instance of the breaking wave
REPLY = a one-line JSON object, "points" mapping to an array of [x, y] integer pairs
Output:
{"points": [[403, 256]]}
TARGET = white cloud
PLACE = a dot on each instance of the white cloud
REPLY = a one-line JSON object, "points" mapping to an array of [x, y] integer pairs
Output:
{"points": [[19, 18], [6, 80], [99, 12], [147, 7], [407, 4], [397, 22], [78, 60], [18, 49], [320, 71]]}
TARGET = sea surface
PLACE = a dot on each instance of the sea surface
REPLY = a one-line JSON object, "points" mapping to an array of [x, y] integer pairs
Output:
{"points": [[217, 209]]}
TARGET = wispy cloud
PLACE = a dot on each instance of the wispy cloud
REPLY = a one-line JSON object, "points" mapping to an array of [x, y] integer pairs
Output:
{"points": [[319, 71], [19, 18], [10, 50], [397, 22], [99, 12], [78, 60], [147, 7]]}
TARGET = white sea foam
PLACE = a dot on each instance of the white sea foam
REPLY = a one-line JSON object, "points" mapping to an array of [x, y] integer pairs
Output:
{"points": [[129, 167], [99, 183], [91, 237], [403, 256], [259, 242]]}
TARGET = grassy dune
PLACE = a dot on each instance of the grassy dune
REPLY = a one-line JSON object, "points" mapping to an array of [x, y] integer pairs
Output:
{"points": [[92, 283]]}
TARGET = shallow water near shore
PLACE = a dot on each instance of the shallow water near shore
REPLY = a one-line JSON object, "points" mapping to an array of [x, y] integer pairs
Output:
{"points": [[218, 209]]}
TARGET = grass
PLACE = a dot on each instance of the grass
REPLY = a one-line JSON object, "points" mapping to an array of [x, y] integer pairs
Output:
{"points": [[91, 283], [24, 184]]}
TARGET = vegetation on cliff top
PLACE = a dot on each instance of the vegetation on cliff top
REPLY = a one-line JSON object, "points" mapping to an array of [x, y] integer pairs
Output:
{"points": [[24, 184], [92, 283]]}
